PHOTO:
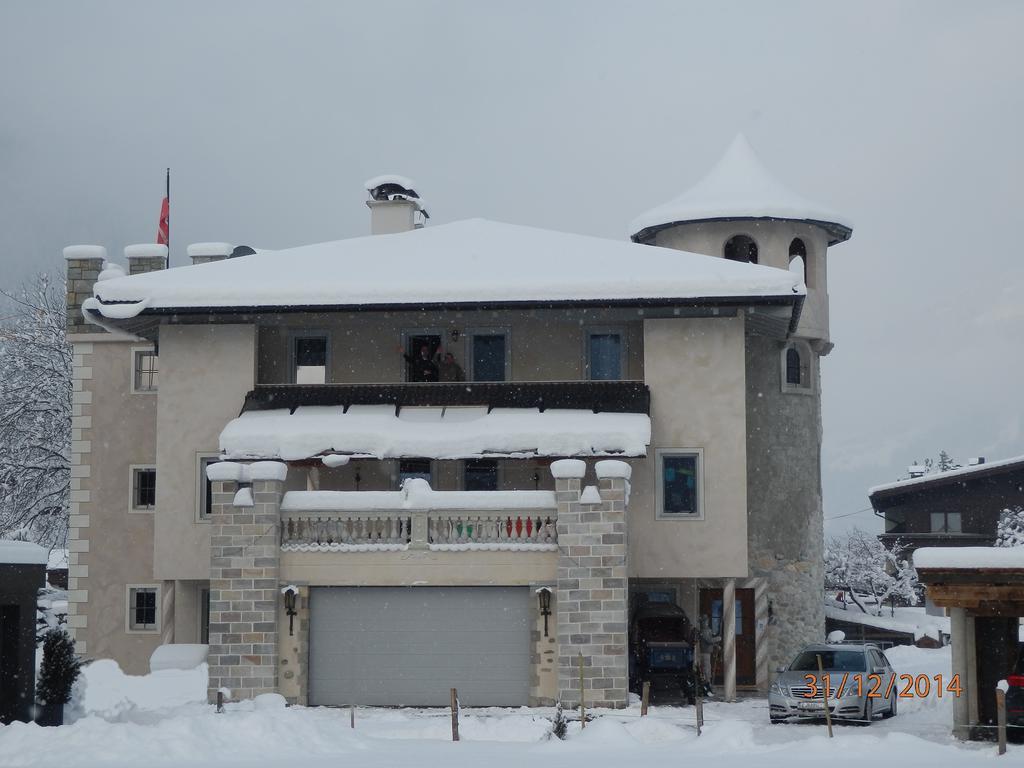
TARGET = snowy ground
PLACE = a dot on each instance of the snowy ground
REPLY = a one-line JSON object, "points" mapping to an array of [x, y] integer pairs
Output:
{"points": [[122, 720]]}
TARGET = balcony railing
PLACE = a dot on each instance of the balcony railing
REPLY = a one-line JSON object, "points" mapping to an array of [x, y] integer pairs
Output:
{"points": [[418, 518]]}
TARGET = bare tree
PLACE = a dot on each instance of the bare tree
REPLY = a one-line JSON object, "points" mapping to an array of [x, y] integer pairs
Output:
{"points": [[35, 414], [863, 567]]}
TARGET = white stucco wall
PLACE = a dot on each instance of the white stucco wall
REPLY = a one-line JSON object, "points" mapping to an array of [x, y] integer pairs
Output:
{"points": [[695, 369], [206, 372]]}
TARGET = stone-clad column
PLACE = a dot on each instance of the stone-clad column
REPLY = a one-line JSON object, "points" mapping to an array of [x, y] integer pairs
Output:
{"points": [[591, 599], [244, 577]]}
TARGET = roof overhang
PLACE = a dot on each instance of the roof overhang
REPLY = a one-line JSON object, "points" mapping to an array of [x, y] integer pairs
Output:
{"points": [[838, 233]]}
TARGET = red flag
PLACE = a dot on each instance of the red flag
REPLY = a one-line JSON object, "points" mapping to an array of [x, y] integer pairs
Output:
{"points": [[164, 229]]}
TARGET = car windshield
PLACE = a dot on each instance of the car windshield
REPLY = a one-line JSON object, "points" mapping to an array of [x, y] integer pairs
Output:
{"points": [[831, 661]]}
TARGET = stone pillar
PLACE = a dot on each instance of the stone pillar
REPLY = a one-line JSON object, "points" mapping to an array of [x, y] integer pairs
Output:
{"points": [[729, 638], [84, 263], [244, 577], [961, 704], [204, 253], [591, 588], [145, 257]]}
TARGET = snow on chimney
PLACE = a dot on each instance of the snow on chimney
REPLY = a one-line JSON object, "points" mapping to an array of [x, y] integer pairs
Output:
{"points": [[394, 205], [145, 257], [976, 461], [203, 253], [84, 264], [916, 470]]}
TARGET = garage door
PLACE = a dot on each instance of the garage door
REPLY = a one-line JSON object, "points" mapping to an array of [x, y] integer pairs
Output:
{"points": [[409, 645]]}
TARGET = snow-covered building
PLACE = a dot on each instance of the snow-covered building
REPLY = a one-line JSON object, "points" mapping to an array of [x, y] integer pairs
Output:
{"points": [[369, 470]]}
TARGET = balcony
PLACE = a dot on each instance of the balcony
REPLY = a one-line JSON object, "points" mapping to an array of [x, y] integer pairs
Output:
{"points": [[596, 396], [418, 518]]}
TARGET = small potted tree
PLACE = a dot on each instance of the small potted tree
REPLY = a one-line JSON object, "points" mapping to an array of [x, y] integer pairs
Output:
{"points": [[57, 674]]}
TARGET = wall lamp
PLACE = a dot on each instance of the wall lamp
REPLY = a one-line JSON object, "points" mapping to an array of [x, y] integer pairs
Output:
{"points": [[544, 596], [291, 594]]}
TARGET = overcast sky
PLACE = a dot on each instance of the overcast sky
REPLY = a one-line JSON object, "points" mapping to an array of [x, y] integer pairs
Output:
{"points": [[905, 117]]}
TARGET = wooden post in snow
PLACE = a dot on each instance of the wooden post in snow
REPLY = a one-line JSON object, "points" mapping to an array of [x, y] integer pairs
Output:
{"points": [[1001, 716], [645, 698], [455, 715], [352, 715], [583, 709]]}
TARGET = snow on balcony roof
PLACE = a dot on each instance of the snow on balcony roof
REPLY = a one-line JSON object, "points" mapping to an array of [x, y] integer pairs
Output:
{"points": [[953, 474], [456, 433], [474, 261], [22, 553], [942, 558], [740, 187]]}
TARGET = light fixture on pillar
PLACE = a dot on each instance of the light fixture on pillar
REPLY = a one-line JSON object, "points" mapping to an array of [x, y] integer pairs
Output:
{"points": [[544, 596], [291, 594]]}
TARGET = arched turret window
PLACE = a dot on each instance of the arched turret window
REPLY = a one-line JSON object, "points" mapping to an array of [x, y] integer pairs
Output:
{"points": [[793, 371], [798, 259], [741, 248]]}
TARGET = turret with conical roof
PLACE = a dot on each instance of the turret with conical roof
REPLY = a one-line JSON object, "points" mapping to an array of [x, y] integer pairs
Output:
{"points": [[740, 211]]}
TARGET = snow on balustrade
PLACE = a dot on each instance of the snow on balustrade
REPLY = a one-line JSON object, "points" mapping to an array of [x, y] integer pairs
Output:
{"points": [[418, 517]]}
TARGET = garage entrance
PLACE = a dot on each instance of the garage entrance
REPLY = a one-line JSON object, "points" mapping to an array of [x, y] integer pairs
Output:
{"points": [[407, 646]]}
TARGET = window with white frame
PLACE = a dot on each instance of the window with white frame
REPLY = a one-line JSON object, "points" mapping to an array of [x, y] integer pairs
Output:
{"points": [[606, 354], [488, 354], [143, 488], [145, 370], [143, 612], [309, 356], [679, 483]]}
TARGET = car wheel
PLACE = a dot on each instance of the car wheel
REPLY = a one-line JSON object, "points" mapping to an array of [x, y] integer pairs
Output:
{"points": [[869, 711], [891, 711]]}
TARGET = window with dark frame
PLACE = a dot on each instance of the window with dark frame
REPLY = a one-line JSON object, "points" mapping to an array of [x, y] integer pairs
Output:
{"points": [[793, 372], [143, 608], [413, 468], [487, 352], [204, 616], [146, 371], [310, 359], [480, 475], [679, 484], [741, 248], [205, 487], [946, 522], [604, 353], [143, 488]]}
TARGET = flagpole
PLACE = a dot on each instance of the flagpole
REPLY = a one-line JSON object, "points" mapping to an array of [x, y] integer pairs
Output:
{"points": [[167, 263]]}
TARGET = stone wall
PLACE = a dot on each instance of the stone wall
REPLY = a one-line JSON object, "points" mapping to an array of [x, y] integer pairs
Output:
{"points": [[591, 607], [785, 520], [81, 276], [244, 587], [137, 265]]}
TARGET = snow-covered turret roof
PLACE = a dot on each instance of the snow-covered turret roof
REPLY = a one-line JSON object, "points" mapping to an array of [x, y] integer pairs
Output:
{"points": [[740, 187], [475, 261]]}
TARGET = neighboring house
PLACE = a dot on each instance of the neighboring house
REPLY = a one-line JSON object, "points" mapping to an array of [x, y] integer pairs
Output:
{"points": [[957, 508], [272, 453]]}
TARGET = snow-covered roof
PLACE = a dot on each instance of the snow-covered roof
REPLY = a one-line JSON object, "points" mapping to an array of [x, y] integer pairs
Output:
{"points": [[953, 474], [22, 553], [469, 262], [435, 433], [740, 187], [969, 557]]}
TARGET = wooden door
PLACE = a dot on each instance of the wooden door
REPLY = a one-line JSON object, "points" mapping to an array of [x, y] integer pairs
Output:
{"points": [[746, 641]]}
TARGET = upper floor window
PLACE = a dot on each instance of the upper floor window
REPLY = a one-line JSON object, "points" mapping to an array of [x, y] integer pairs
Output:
{"points": [[741, 248], [421, 351], [946, 522], [480, 475], [413, 468], [796, 368], [204, 487], [309, 358], [144, 370], [488, 355], [143, 489], [606, 350], [679, 483]]}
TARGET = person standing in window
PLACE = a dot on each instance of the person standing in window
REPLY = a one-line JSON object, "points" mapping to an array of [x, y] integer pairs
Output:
{"points": [[449, 370], [422, 368]]}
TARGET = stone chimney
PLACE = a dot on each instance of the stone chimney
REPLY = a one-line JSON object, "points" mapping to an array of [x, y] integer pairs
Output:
{"points": [[84, 263], [145, 257], [204, 253], [394, 205]]}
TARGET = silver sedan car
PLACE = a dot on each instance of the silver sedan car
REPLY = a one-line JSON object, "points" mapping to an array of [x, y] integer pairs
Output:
{"points": [[861, 685]]}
